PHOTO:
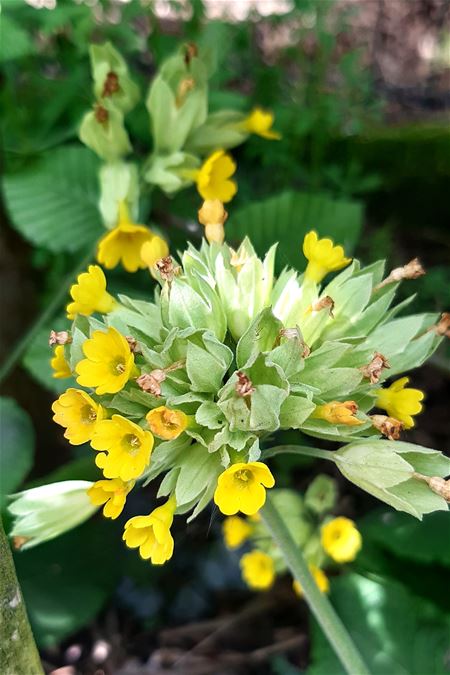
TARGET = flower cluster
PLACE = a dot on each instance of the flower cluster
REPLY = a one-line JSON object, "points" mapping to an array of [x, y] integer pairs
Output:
{"points": [[325, 540], [189, 148], [192, 385]]}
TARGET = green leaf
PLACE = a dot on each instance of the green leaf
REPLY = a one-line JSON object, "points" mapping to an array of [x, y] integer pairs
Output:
{"points": [[207, 361], [321, 494], [294, 411], [15, 42], [197, 471], [53, 203], [395, 631], [288, 217], [259, 337], [66, 581], [16, 446]]}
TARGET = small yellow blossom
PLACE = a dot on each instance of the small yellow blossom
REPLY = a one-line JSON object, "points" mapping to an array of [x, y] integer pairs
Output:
{"points": [[323, 257], [109, 362], [320, 578], [125, 446], [89, 294], [213, 177], [112, 493], [260, 122], [61, 368], [79, 414], [400, 401], [154, 250], [235, 530], [341, 539], [241, 487], [124, 243], [166, 423], [152, 533], [258, 570], [337, 412]]}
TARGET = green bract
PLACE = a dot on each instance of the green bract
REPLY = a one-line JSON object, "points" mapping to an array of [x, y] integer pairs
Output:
{"points": [[243, 355]]}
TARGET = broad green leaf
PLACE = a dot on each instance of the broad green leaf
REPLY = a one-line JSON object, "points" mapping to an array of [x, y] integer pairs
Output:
{"points": [[16, 446], [288, 217], [259, 337], [198, 469], [397, 633], [65, 582], [53, 203], [294, 411], [15, 42]]}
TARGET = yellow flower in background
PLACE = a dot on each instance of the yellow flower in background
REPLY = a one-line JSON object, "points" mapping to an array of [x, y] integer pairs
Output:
{"points": [[341, 540], [61, 368], [124, 243], [258, 570], [241, 487], [89, 294], [79, 414], [320, 578], [260, 122], [112, 493], [166, 423], [109, 363], [235, 531], [213, 177], [125, 446], [322, 256], [154, 250], [151, 534], [337, 412], [400, 402]]}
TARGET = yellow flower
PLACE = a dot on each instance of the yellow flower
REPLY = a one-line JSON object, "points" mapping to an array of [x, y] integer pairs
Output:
{"points": [[79, 414], [258, 570], [213, 177], [400, 402], [124, 243], [109, 363], [167, 424], [323, 257], [152, 533], [340, 539], [126, 448], [337, 412], [59, 364], [89, 294], [260, 122], [154, 250], [241, 487], [320, 578], [111, 493], [235, 530]]}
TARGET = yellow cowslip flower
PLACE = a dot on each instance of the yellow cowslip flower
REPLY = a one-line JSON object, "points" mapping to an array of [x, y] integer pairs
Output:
{"points": [[213, 177], [400, 401], [79, 414], [320, 578], [235, 531], [166, 423], [126, 448], [341, 540], [109, 362], [124, 243], [241, 487], [154, 250], [338, 412], [260, 122], [61, 368], [152, 533], [258, 570], [112, 493], [323, 257], [89, 294]]}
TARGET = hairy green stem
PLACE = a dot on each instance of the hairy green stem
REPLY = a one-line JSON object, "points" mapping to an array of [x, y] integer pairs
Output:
{"points": [[18, 652], [319, 604], [299, 450], [44, 317]]}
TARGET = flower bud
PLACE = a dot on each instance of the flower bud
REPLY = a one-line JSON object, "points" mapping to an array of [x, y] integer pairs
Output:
{"points": [[212, 212], [337, 412]]}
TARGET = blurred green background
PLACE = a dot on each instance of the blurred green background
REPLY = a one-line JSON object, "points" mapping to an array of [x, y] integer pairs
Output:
{"points": [[360, 93]]}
